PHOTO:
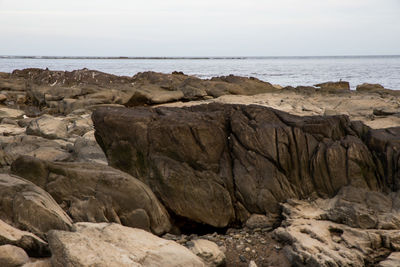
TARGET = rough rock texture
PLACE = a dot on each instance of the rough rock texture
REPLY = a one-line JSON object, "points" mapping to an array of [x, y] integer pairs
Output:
{"points": [[48, 127], [32, 244], [27, 206], [59, 92], [392, 261], [216, 164], [93, 192], [10, 113], [334, 86], [355, 228], [12, 256], [208, 251], [115, 245]]}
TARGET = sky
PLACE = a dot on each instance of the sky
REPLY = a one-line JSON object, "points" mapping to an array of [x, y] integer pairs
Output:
{"points": [[199, 28]]}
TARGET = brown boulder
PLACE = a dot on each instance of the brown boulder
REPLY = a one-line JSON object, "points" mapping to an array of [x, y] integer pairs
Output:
{"points": [[216, 163], [27, 206], [92, 192], [334, 86]]}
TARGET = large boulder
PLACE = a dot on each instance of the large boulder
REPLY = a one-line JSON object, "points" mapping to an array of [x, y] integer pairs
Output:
{"points": [[27, 206], [92, 192], [216, 164], [106, 244]]}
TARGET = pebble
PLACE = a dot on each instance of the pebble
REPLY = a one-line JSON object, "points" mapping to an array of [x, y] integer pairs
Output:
{"points": [[247, 249], [242, 258]]}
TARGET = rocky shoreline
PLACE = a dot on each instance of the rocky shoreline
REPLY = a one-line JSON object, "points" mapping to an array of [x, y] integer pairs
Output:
{"points": [[172, 170]]}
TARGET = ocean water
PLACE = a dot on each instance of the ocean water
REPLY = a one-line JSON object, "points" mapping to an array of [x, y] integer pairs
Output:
{"points": [[285, 71]]}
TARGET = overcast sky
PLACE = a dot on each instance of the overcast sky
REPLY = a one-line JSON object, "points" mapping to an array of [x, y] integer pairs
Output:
{"points": [[199, 28]]}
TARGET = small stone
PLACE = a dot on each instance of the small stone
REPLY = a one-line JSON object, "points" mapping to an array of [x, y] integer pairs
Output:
{"points": [[252, 264], [190, 244], [278, 247], [3, 98], [242, 258], [239, 247], [253, 251], [247, 249]]}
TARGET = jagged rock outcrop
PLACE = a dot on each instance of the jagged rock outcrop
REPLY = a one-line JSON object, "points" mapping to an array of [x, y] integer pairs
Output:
{"points": [[355, 228], [216, 164], [106, 244], [92, 192], [27, 206]]}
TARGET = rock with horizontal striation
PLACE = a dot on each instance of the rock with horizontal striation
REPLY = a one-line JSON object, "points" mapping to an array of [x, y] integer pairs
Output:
{"points": [[27, 206], [93, 192], [106, 244], [215, 163]]}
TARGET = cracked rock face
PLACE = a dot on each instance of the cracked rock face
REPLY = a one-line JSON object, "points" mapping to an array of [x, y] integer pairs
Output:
{"points": [[216, 164], [92, 192], [27, 206]]}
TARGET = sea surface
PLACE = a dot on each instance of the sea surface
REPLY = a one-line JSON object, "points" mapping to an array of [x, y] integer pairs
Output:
{"points": [[285, 71]]}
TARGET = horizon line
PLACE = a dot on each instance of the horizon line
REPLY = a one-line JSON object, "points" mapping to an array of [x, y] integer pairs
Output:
{"points": [[184, 57]]}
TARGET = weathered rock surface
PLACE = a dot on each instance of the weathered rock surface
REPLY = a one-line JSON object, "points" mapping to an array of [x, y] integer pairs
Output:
{"points": [[115, 245], [27, 206], [208, 251], [61, 92], [10, 113], [92, 192], [392, 261], [12, 256], [32, 244], [334, 86], [48, 127], [35, 146], [216, 164], [355, 228]]}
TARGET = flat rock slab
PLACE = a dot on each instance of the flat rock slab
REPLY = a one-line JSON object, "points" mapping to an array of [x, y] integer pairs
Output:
{"points": [[10, 113], [106, 244]]}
